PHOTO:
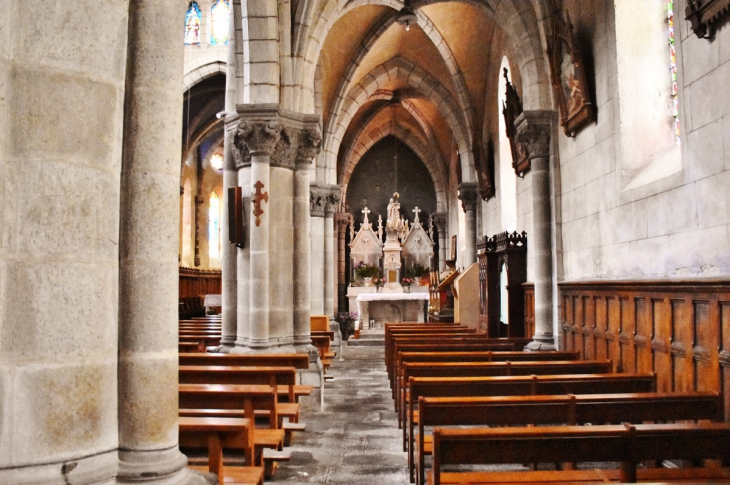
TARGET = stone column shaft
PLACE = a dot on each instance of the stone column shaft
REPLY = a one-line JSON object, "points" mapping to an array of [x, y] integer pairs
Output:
{"points": [[309, 146], [329, 254], [440, 220], [533, 132], [468, 197], [147, 369], [229, 271]]}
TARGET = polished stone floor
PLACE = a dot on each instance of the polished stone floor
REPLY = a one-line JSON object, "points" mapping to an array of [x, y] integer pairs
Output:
{"points": [[354, 439]]}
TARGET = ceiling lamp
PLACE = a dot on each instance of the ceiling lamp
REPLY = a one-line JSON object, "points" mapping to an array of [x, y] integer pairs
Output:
{"points": [[406, 16]]}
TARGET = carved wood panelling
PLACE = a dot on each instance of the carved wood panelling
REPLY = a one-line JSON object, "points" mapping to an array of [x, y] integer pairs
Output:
{"points": [[197, 282], [678, 329]]}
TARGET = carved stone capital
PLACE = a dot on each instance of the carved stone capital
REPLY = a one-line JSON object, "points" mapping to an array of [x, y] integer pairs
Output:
{"points": [[285, 150], [468, 196], [332, 202], [533, 132], [260, 136], [323, 199], [342, 219], [310, 144], [440, 220]]}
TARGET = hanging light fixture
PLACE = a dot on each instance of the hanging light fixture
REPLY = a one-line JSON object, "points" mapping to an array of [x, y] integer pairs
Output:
{"points": [[406, 16]]}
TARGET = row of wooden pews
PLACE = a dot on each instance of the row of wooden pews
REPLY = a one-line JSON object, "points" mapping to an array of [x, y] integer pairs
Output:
{"points": [[246, 404], [538, 406]]}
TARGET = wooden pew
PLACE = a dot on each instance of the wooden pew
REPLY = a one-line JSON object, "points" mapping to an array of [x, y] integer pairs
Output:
{"points": [[215, 434], [391, 331], [299, 361], [183, 347], [322, 342], [487, 369], [520, 386], [627, 444], [249, 398], [474, 355], [563, 409], [208, 341], [275, 377]]}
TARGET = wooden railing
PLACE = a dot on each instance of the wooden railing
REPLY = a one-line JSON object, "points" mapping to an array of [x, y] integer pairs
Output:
{"points": [[196, 282], [679, 329]]}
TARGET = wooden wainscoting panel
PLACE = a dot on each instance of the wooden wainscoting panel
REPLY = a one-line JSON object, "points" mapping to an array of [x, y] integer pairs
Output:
{"points": [[679, 329]]}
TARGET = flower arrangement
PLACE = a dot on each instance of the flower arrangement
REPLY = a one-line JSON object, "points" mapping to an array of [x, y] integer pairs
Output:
{"points": [[417, 271], [346, 321], [379, 281], [364, 270], [406, 281]]}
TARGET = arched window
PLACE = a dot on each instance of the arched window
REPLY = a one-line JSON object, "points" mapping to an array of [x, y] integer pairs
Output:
{"points": [[214, 229], [507, 178], [192, 24], [648, 90], [220, 14]]}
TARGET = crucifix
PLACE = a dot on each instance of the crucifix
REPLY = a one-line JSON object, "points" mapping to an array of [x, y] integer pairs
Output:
{"points": [[257, 199]]}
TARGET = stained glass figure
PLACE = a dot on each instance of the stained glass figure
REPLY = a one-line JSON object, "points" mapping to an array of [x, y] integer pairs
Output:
{"points": [[674, 92], [214, 230], [221, 17], [192, 24]]}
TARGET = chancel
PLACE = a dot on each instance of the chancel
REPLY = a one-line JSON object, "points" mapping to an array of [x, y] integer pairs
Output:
{"points": [[242, 240]]}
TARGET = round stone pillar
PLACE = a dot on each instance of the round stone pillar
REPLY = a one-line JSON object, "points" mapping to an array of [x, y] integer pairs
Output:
{"points": [[229, 271], [148, 272], [440, 220], [260, 138], [533, 133], [331, 203], [309, 146], [468, 198], [316, 210]]}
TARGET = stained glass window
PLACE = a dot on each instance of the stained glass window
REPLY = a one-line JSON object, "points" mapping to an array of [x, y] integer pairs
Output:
{"points": [[214, 219], [221, 17], [216, 161], [674, 99], [192, 24]]}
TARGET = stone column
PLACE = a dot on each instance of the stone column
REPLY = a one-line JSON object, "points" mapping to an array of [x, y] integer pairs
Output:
{"points": [[440, 220], [317, 201], [256, 138], [229, 271], [533, 133], [468, 197], [342, 220], [331, 203], [148, 273], [309, 146]]}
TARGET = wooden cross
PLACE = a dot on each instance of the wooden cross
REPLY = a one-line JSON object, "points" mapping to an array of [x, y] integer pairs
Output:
{"points": [[257, 198], [416, 211]]}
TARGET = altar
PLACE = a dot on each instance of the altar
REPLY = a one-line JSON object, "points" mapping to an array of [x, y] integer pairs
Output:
{"points": [[391, 307], [384, 274]]}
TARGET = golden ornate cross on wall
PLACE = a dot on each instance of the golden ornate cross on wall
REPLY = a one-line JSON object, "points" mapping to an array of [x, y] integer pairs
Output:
{"points": [[257, 198]]}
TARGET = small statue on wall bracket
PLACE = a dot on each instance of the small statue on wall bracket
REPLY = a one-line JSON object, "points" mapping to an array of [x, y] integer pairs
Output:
{"points": [[511, 109]]}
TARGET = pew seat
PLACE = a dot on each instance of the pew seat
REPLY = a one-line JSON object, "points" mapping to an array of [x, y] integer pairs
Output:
{"points": [[627, 444]]}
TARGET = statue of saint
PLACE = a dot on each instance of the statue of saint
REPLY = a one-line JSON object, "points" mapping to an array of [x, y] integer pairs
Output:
{"points": [[393, 211]]}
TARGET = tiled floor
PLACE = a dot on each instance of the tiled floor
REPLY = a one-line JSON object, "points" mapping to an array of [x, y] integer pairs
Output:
{"points": [[354, 439]]}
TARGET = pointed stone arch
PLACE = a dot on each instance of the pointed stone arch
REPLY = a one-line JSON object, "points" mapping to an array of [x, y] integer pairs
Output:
{"points": [[422, 149], [422, 83]]}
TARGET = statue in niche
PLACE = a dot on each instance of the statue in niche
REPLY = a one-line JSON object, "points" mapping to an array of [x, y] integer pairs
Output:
{"points": [[393, 211]]}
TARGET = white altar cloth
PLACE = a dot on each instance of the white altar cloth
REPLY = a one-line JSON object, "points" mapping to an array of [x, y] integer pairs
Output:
{"points": [[401, 303]]}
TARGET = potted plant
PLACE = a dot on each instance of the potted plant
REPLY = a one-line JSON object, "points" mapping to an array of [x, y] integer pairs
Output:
{"points": [[419, 273], [406, 284], [379, 283], [367, 272], [347, 323]]}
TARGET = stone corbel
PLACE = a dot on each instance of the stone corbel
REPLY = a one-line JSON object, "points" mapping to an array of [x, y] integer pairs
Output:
{"points": [[468, 196], [533, 132]]}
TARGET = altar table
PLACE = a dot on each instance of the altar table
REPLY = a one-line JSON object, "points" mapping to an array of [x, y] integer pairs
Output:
{"points": [[392, 307]]}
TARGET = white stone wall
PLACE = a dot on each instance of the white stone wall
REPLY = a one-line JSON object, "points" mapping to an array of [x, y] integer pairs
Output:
{"points": [[678, 226], [61, 115]]}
